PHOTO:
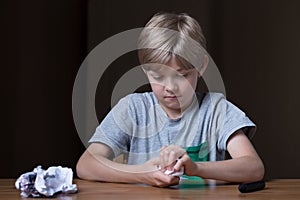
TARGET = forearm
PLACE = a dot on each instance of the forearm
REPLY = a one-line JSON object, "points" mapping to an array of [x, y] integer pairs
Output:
{"points": [[99, 168], [243, 169]]}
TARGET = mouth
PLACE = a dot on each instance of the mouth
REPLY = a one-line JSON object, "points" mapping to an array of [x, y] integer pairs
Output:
{"points": [[171, 97]]}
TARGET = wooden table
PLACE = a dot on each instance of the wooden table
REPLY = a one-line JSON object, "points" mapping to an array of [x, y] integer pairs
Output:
{"points": [[275, 189]]}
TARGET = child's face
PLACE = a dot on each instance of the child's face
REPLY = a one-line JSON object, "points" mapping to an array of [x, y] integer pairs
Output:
{"points": [[174, 86]]}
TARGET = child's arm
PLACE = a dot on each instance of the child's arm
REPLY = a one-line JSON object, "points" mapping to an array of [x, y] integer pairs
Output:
{"points": [[245, 165], [95, 164]]}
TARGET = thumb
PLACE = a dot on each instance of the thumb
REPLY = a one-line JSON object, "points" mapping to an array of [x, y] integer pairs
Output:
{"points": [[181, 162]]}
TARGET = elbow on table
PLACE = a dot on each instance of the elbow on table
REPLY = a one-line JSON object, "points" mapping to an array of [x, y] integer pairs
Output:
{"points": [[80, 169], [254, 170], [83, 169], [259, 171]]}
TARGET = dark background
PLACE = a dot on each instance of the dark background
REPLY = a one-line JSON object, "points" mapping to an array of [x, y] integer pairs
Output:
{"points": [[255, 45]]}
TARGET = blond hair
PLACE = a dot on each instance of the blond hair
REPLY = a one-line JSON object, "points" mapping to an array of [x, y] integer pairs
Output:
{"points": [[169, 35]]}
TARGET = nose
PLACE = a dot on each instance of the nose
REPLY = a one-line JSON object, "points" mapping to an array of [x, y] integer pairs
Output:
{"points": [[171, 85]]}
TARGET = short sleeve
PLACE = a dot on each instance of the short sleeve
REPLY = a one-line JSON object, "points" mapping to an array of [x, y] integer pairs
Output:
{"points": [[115, 129], [228, 119]]}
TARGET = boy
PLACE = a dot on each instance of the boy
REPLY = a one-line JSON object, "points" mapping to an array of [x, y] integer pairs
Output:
{"points": [[153, 130]]}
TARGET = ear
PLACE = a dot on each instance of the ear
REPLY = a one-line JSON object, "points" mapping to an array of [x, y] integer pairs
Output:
{"points": [[204, 66]]}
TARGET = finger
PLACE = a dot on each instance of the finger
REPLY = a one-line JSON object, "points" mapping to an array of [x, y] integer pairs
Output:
{"points": [[178, 165], [181, 162], [175, 180], [167, 180], [172, 159], [181, 152], [163, 180], [177, 149], [162, 159], [163, 147], [169, 154], [166, 158]]}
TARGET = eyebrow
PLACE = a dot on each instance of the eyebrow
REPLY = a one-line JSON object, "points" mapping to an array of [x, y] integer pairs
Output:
{"points": [[180, 70]]}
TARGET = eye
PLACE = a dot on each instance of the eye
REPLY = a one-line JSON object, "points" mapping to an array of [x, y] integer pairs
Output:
{"points": [[182, 75], [158, 78]]}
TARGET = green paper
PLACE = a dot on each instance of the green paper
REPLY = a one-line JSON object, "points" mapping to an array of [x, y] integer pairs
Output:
{"points": [[197, 154]]}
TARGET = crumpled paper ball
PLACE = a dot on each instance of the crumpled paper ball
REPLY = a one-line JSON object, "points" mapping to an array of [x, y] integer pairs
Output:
{"points": [[47, 183]]}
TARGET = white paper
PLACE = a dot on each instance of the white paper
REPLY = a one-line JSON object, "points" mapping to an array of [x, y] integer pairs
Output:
{"points": [[46, 182]]}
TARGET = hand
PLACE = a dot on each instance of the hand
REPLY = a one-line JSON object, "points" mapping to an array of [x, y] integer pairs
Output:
{"points": [[169, 156], [173, 157], [155, 177]]}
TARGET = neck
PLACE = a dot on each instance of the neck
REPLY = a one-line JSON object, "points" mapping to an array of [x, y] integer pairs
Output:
{"points": [[174, 114]]}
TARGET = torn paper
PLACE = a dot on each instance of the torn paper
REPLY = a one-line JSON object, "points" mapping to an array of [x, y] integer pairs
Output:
{"points": [[48, 182]]}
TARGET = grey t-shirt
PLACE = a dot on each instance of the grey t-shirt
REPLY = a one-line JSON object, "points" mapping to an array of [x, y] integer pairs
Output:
{"points": [[138, 126]]}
